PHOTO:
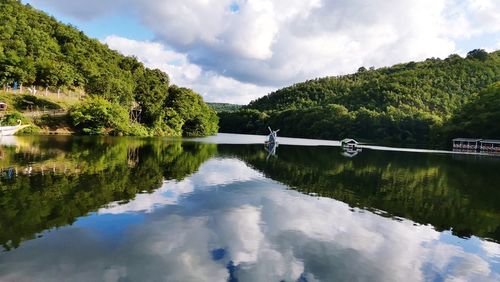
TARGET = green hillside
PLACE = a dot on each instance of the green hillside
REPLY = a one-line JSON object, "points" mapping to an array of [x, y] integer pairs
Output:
{"points": [[37, 50], [480, 117], [224, 107], [410, 103]]}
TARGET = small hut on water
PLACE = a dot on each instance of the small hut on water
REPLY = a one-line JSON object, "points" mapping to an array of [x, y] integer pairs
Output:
{"points": [[466, 143], [349, 143], [490, 145], [474, 144]]}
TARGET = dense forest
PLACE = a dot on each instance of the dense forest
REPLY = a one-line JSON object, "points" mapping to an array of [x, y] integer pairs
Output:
{"points": [[417, 102], [479, 117], [224, 107], [37, 50]]}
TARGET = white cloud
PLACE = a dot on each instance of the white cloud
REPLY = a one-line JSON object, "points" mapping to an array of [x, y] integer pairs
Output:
{"points": [[245, 237], [491, 249], [280, 42], [212, 86], [236, 55], [155, 55]]}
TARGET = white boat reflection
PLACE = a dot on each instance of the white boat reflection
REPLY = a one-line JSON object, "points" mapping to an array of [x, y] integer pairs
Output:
{"points": [[8, 140], [351, 152], [271, 149]]}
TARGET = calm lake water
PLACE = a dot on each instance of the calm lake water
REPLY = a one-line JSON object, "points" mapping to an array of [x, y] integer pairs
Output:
{"points": [[223, 209]]}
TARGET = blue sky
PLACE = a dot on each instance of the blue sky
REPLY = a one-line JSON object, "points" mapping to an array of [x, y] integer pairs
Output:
{"points": [[117, 25], [121, 24], [238, 50]]}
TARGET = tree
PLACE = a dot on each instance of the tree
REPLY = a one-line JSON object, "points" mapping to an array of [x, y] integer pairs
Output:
{"points": [[198, 118], [151, 92], [479, 54]]}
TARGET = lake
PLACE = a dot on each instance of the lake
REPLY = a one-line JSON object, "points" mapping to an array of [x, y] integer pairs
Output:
{"points": [[223, 209]]}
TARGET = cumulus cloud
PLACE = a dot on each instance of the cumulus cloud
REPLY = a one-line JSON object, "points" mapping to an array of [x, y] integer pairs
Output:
{"points": [[281, 42], [212, 86], [156, 55], [236, 50]]}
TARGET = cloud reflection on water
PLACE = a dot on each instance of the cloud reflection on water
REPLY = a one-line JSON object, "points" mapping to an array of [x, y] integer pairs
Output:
{"points": [[262, 230]]}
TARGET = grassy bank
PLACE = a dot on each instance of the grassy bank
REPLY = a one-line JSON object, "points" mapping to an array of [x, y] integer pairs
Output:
{"points": [[45, 114]]}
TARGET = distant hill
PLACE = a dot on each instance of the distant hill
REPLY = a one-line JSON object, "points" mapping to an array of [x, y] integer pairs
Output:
{"points": [[224, 107], [36, 49], [434, 85], [404, 103]]}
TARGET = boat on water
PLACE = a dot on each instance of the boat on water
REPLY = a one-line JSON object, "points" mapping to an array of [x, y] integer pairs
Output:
{"points": [[272, 138], [271, 143], [349, 143], [350, 148], [11, 130]]}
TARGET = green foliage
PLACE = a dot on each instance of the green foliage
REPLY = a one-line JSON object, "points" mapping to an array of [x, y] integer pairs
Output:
{"points": [[98, 116], [52, 122], [196, 117], [224, 107], [436, 86], [245, 121], [405, 103], [151, 91], [13, 118], [478, 54], [36, 49], [337, 122], [480, 117]]}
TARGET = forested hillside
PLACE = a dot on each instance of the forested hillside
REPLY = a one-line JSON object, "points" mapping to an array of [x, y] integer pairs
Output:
{"points": [[479, 117], [412, 102], [224, 107], [37, 50]]}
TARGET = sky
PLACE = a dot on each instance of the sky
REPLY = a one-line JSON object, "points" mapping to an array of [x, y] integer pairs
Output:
{"points": [[235, 51]]}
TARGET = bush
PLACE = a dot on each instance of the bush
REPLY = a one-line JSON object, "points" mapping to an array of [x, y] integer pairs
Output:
{"points": [[11, 119], [30, 130], [98, 116], [186, 113]]}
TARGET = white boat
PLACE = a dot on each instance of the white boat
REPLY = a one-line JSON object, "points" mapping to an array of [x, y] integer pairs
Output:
{"points": [[11, 130], [349, 143]]}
